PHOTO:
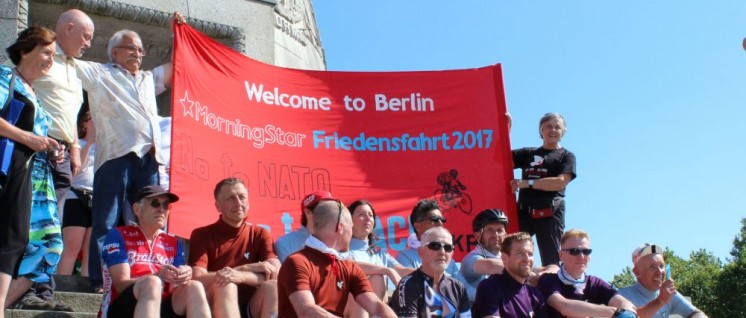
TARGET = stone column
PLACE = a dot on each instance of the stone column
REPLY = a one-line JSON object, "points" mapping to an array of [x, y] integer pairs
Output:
{"points": [[13, 18]]}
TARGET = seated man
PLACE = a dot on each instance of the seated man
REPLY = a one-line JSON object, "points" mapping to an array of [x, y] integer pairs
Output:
{"points": [[317, 280], [572, 293], [425, 215], [654, 294], [234, 259], [507, 295], [145, 275], [428, 292], [293, 241]]}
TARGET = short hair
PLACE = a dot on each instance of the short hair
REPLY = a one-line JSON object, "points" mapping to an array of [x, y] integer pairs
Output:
{"points": [[432, 231], [28, 40], [549, 116], [355, 205], [117, 37], [515, 237], [421, 208], [325, 214], [225, 182], [574, 233]]}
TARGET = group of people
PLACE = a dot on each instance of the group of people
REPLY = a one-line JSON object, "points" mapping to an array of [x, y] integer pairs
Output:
{"points": [[329, 267], [47, 152]]}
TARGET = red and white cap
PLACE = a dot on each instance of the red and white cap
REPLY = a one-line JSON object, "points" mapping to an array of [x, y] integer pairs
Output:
{"points": [[313, 198]]}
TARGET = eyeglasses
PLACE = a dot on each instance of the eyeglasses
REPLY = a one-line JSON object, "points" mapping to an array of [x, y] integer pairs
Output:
{"points": [[339, 216], [132, 48], [436, 246], [157, 204], [577, 251], [434, 219]]}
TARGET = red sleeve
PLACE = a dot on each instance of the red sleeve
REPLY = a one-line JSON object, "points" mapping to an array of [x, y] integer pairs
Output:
{"points": [[267, 248], [198, 249], [359, 280], [294, 274]]}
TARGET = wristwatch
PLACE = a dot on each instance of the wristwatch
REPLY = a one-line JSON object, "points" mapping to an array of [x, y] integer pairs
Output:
{"points": [[531, 184]]}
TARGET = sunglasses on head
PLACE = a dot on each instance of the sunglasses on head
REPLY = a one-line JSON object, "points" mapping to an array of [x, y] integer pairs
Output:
{"points": [[577, 251], [157, 204], [436, 246], [434, 219]]}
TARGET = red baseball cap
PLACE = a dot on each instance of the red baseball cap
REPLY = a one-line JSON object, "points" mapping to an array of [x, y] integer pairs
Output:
{"points": [[313, 198]]}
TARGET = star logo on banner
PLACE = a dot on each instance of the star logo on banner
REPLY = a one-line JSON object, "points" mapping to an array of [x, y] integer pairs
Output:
{"points": [[187, 104]]}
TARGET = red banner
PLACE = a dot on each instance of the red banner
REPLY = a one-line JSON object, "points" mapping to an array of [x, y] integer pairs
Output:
{"points": [[389, 137]]}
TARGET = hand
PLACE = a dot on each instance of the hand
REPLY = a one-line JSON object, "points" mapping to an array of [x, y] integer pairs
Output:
{"points": [[176, 17], [533, 278], [516, 184], [393, 276], [75, 162], [624, 313], [668, 289], [226, 276], [510, 120], [39, 143], [265, 268], [183, 275], [57, 155], [168, 273]]}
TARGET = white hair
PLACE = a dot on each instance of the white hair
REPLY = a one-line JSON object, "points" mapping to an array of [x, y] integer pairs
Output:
{"points": [[117, 38]]}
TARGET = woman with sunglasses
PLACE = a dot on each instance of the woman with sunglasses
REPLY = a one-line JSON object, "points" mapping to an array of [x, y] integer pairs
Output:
{"points": [[28, 205], [375, 262]]}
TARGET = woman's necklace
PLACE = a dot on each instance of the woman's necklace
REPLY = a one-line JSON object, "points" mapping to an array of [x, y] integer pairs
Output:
{"points": [[26, 82]]}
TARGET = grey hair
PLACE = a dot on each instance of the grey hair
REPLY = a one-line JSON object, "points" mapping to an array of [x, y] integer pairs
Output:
{"points": [[117, 37], [549, 116], [438, 229]]}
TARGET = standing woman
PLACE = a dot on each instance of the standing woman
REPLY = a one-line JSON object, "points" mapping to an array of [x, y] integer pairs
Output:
{"points": [[545, 172], [32, 53]]}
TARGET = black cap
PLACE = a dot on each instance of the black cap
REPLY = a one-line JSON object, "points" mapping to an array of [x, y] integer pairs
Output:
{"points": [[154, 191]]}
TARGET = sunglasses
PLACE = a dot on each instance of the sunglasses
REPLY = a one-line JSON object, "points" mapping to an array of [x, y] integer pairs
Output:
{"points": [[157, 204], [577, 251], [436, 246], [434, 219]]}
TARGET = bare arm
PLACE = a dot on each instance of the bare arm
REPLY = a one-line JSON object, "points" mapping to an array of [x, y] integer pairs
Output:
{"points": [[488, 266], [36, 143], [403, 270], [304, 304], [619, 301], [545, 184], [373, 305], [373, 269]]}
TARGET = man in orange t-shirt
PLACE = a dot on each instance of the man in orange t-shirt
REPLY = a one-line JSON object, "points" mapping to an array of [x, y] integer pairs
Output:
{"points": [[317, 280], [234, 259]]}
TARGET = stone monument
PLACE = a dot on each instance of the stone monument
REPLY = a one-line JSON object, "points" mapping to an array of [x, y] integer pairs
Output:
{"points": [[282, 33]]}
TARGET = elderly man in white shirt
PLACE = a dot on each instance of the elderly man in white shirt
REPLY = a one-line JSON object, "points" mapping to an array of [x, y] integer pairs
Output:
{"points": [[124, 111]]}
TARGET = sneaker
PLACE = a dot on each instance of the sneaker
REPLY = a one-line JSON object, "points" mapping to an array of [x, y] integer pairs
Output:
{"points": [[32, 303]]}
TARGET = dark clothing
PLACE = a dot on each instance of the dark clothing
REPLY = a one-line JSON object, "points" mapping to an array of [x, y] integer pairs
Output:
{"points": [[76, 214], [538, 163], [124, 305], [596, 291], [414, 296], [501, 295], [15, 200]]}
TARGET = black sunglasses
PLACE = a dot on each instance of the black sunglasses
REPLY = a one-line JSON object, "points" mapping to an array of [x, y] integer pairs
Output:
{"points": [[436, 246], [577, 251], [157, 204], [434, 219]]}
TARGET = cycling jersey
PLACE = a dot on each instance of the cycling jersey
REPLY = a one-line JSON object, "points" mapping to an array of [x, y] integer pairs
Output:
{"points": [[415, 297]]}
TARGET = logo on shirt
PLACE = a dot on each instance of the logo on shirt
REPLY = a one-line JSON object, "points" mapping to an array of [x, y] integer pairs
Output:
{"points": [[111, 248], [340, 284], [246, 255], [538, 161]]}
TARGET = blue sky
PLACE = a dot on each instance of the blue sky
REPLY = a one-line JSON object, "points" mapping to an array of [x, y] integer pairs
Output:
{"points": [[653, 93]]}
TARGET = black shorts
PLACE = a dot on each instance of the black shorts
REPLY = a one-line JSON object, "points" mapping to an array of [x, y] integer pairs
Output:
{"points": [[124, 306], [76, 214]]}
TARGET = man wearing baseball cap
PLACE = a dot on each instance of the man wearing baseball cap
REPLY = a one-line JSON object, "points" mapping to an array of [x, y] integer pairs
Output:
{"points": [[145, 273], [293, 241], [654, 293]]}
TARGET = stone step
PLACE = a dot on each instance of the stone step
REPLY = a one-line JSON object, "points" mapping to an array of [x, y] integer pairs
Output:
{"points": [[72, 283], [80, 302], [17, 313]]}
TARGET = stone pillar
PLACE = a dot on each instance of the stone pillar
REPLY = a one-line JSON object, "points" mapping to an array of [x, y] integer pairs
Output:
{"points": [[13, 18]]}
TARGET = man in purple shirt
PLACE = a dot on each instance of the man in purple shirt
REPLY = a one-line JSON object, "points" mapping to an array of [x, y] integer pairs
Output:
{"points": [[506, 295], [572, 293]]}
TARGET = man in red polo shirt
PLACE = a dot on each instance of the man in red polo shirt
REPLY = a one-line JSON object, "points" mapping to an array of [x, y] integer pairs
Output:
{"points": [[234, 259]]}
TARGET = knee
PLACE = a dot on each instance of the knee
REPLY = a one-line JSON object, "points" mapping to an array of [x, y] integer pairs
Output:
{"points": [[149, 287], [194, 289], [224, 292]]}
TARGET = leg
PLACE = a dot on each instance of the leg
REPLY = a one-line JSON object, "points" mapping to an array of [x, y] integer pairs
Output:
{"points": [[223, 300], [4, 286], [190, 300], [264, 302], [18, 287], [110, 182], [548, 234], [353, 310], [63, 177], [84, 261], [148, 291], [73, 239]]}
